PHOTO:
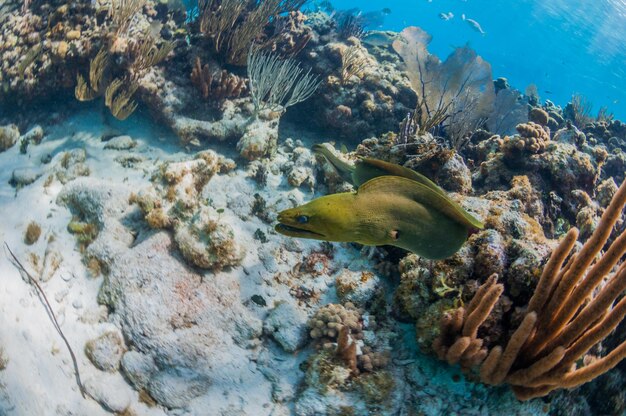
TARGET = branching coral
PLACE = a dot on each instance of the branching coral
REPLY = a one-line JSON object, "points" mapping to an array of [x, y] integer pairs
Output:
{"points": [[122, 13], [456, 95], [349, 25], [458, 340], [97, 69], [141, 53], [572, 309], [579, 110], [118, 98], [216, 86], [233, 25], [275, 83], [353, 63]]}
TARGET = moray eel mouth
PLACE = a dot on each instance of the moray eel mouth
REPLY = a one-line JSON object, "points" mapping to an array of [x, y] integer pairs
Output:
{"points": [[289, 225], [292, 231]]}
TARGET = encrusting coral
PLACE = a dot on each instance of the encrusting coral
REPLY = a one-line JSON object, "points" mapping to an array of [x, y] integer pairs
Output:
{"points": [[201, 237], [571, 310]]}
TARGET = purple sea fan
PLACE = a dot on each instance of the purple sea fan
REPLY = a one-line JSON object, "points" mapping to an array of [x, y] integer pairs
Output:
{"points": [[456, 95]]}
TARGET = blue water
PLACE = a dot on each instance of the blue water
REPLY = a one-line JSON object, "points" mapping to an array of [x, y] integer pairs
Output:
{"points": [[562, 46]]}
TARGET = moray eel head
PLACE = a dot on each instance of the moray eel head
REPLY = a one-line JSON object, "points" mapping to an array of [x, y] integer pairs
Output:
{"points": [[294, 223], [321, 219]]}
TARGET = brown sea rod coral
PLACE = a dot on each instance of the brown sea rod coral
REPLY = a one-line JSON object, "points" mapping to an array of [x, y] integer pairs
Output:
{"points": [[218, 86], [572, 309]]}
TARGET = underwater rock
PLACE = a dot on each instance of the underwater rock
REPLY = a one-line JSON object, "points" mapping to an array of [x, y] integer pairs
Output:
{"points": [[539, 116], [104, 392], [300, 167], [569, 169], [570, 135], [4, 361], [490, 253], [615, 166], [168, 100], [208, 243], [455, 176], [8, 136], [121, 143], [286, 324], [196, 332], [138, 368], [34, 136], [129, 160], [357, 287], [70, 165], [370, 101], [100, 203], [177, 390], [260, 139], [605, 192], [414, 292], [22, 177], [311, 403], [105, 352], [501, 83], [203, 238]]}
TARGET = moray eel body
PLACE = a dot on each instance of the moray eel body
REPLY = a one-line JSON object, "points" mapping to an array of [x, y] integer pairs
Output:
{"points": [[386, 210], [366, 169]]}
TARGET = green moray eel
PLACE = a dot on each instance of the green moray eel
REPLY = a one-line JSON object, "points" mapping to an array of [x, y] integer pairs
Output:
{"points": [[386, 210], [366, 169]]}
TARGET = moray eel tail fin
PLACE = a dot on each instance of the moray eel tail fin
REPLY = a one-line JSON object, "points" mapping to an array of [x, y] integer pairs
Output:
{"points": [[345, 170]]}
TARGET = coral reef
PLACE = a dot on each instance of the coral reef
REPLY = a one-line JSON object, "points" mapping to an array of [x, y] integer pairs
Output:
{"points": [[163, 262], [362, 92], [560, 324], [201, 237]]}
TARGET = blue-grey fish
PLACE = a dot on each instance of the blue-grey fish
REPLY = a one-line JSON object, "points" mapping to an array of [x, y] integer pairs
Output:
{"points": [[474, 25], [446, 16], [378, 38]]}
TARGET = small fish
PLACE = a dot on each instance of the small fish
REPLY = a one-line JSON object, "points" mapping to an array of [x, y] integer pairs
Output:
{"points": [[155, 28], [392, 206], [446, 16], [474, 25], [377, 38]]}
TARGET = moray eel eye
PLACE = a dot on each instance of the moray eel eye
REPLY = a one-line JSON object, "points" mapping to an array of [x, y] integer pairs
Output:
{"points": [[302, 219]]}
